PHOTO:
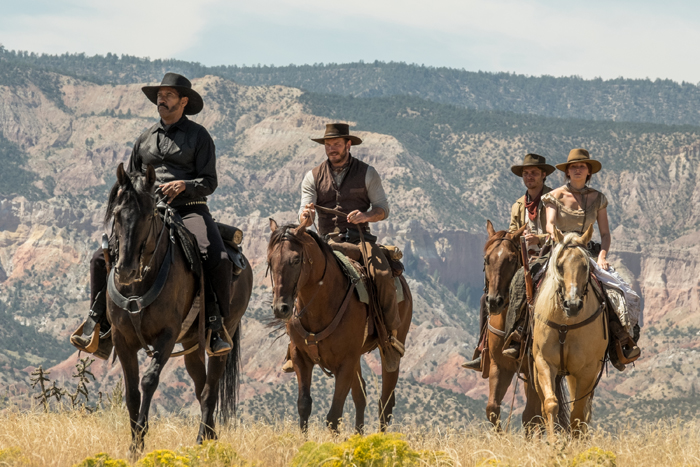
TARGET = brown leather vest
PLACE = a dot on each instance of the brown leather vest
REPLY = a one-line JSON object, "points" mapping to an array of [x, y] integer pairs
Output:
{"points": [[349, 196]]}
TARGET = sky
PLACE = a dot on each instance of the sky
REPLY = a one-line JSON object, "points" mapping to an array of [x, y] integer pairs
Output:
{"points": [[596, 38]]}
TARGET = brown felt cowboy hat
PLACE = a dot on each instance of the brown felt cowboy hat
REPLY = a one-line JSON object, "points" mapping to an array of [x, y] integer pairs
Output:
{"points": [[580, 155], [532, 160], [338, 130], [195, 103]]}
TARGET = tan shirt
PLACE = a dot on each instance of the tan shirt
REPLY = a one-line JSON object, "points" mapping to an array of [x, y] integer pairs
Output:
{"points": [[519, 217], [577, 220]]}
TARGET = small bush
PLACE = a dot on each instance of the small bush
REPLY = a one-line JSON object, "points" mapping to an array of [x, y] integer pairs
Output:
{"points": [[594, 457], [12, 457], [163, 458], [370, 451], [214, 454], [102, 460]]}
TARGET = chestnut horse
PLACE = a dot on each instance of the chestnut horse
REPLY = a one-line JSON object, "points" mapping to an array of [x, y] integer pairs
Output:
{"points": [[137, 228], [309, 285], [569, 336], [502, 259]]}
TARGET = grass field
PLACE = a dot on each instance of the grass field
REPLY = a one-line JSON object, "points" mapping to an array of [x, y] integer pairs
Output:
{"points": [[65, 439]]}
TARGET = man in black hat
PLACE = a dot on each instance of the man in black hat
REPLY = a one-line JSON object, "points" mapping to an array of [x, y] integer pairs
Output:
{"points": [[183, 155], [527, 210], [346, 184]]}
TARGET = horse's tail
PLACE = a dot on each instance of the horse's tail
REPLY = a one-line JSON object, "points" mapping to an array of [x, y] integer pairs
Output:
{"points": [[228, 384], [561, 392]]}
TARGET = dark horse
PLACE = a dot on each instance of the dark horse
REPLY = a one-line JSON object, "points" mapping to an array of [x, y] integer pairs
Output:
{"points": [[137, 228], [502, 260], [307, 279]]}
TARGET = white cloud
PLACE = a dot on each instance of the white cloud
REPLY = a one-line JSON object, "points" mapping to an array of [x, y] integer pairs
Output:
{"points": [[136, 27], [635, 39]]}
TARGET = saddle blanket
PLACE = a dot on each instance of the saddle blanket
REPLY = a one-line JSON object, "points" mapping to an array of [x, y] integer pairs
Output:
{"points": [[360, 286]]}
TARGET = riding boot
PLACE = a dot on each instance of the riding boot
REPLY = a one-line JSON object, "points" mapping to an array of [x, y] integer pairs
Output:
{"points": [[96, 325], [217, 299], [288, 366], [512, 345], [624, 349]]}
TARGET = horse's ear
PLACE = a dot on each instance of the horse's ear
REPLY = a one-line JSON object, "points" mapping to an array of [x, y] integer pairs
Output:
{"points": [[489, 228], [273, 225], [515, 236], [150, 177], [586, 237], [122, 177], [558, 236]]}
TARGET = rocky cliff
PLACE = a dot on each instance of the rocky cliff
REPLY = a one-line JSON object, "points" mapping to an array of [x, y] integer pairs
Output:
{"points": [[444, 180]]}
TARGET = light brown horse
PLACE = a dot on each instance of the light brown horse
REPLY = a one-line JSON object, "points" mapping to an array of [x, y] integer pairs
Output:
{"points": [[309, 285], [137, 228], [570, 336], [502, 260]]}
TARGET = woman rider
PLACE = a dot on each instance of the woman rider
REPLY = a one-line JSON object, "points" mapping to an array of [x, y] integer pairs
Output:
{"points": [[573, 208]]}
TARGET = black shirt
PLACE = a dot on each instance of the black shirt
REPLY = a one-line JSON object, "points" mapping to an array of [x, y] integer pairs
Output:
{"points": [[181, 151]]}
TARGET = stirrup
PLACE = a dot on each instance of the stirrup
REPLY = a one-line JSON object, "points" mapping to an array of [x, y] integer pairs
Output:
{"points": [[624, 359], [94, 339], [288, 366], [474, 364], [225, 337], [396, 344]]}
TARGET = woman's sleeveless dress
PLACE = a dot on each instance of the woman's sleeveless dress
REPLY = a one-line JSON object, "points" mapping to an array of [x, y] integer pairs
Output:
{"points": [[626, 302]]}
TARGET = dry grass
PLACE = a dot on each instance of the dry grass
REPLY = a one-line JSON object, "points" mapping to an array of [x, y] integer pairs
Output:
{"points": [[66, 439]]}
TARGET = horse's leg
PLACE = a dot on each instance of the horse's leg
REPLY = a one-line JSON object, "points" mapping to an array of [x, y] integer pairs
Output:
{"points": [[388, 398], [195, 368], [130, 366], [210, 393], [532, 414], [162, 349], [580, 410], [359, 392], [546, 384], [499, 382], [304, 370], [343, 381]]}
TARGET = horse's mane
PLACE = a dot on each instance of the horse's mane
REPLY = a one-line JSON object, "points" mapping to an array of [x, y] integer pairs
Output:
{"points": [[547, 293], [282, 233], [119, 194]]}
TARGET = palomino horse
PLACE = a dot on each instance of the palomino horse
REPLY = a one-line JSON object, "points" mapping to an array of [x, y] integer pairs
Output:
{"points": [[569, 337], [310, 287], [138, 227], [501, 261]]}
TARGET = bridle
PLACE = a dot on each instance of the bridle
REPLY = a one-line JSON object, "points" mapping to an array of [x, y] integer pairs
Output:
{"points": [[298, 314], [516, 247], [560, 287]]}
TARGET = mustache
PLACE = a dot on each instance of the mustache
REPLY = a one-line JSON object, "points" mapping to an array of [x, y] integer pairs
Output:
{"points": [[163, 105]]}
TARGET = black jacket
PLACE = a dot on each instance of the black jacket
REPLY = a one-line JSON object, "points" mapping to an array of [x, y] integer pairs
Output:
{"points": [[184, 152]]}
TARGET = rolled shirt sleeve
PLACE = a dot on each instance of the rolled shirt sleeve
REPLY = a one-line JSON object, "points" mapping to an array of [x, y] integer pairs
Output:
{"points": [[308, 192], [375, 191]]}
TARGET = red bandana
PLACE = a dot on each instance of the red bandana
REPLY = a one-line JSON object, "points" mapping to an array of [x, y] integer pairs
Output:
{"points": [[532, 205]]}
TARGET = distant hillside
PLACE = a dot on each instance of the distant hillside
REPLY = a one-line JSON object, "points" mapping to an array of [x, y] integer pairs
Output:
{"points": [[660, 101]]}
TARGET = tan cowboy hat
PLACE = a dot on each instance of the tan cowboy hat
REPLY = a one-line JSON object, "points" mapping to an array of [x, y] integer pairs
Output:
{"points": [[532, 160], [580, 155], [338, 130], [183, 86]]}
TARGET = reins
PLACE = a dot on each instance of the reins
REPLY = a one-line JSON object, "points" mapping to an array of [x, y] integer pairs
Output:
{"points": [[133, 305]]}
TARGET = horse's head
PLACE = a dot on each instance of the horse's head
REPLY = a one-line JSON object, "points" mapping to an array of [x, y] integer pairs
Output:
{"points": [[132, 206], [571, 268], [291, 255], [501, 261]]}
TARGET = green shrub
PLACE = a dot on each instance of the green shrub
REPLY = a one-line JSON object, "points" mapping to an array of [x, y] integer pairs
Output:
{"points": [[594, 457], [102, 460], [12, 457], [370, 451]]}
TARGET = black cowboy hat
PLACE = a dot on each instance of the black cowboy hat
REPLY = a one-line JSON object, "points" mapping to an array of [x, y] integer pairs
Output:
{"points": [[532, 160], [580, 155], [183, 86], [338, 130]]}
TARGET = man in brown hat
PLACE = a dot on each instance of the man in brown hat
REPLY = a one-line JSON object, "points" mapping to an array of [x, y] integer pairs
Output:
{"points": [[527, 210], [183, 155], [346, 184]]}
